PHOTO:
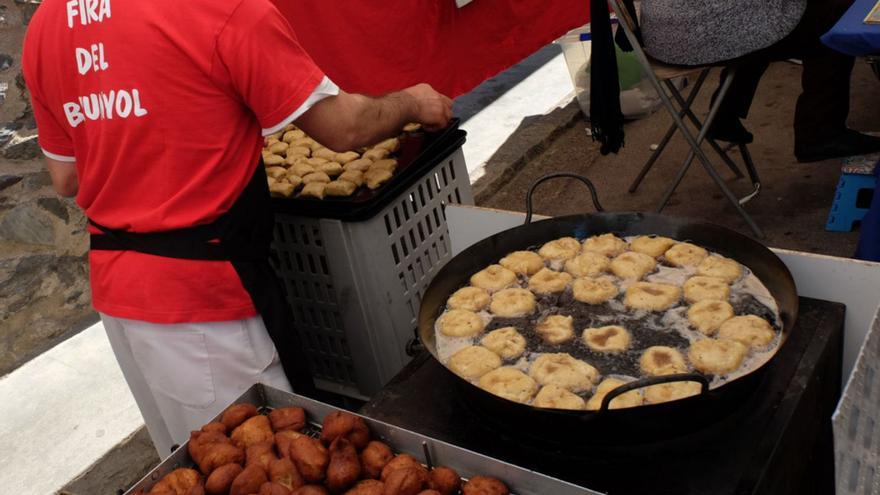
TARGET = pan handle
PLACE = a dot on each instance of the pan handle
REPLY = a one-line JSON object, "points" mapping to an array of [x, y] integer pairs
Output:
{"points": [[547, 177], [654, 380]]}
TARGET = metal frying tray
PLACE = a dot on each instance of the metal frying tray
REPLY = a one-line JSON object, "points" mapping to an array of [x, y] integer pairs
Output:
{"points": [[465, 462]]}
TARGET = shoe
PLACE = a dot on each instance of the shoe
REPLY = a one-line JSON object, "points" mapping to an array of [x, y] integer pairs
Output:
{"points": [[847, 143], [731, 130]]}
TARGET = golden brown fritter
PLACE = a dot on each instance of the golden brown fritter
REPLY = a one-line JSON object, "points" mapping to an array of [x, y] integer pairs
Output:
{"points": [[343, 424], [236, 414], [444, 480], [260, 453], [345, 466], [255, 429], [367, 487], [221, 479], [288, 418], [483, 485], [374, 458], [284, 472], [248, 481], [399, 462], [311, 458], [180, 482]]}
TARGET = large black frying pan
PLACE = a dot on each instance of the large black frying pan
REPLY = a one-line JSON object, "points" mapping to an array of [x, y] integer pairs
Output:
{"points": [[638, 424]]}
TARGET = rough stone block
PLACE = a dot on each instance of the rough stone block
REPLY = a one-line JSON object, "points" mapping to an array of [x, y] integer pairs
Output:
{"points": [[56, 207], [22, 149], [28, 223]]}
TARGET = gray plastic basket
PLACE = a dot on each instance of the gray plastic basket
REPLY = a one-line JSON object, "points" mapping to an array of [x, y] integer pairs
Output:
{"points": [[857, 423], [355, 287]]}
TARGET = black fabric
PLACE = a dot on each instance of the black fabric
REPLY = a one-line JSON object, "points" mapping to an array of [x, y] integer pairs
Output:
{"points": [[606, 118], [242, 236]]}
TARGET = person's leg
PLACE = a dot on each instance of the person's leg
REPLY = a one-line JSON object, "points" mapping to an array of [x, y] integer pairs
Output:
{"points": [[138, 385], [195, 370], [736, 104]]}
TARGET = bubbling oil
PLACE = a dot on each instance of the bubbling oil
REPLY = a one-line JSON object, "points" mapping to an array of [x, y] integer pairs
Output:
{"points": [[670, 328]]}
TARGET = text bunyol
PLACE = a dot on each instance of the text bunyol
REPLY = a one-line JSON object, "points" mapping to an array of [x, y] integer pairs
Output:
{"points": [[104, 105]]}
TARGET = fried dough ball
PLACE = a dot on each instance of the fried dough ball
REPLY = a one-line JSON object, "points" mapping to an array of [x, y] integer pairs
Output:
{"points": [[345, 466], [293, 135], [707, 316], [272, 160], [254, 430], [509, 383], [287, 418], [444, 480], [374, 457], [429, 492], [376, 177], [344, 424], [717, 357], [702, 288], [553, 397], [283, 440], [359, 165], [522, 262], [284, 472], [236, 414], [563, 370], [348, 156], [406, 481], [661, 360], [556, 329], [560, 249], [215, 426], [632, 265], [513, 303], [315, 161], [367, 487], [353, 176], [652, 246], [276, 172], [248, 481], [325, 153], [313, 190], [310, 457], [611, 338], [473, 361], [269, 488], [376, 154], [506, 342], [483, 485], [212, 455], [493, 278], [180, 482], [390, 144], [302, 151], [587, 264], [608, 244], [221, 479], [311, 490], [685, 254], [594, 290], [412, 127], [548, 281], [749, 330], [632, 398], [302, 169], [389, 164], [469, 299], [260, 453], [718, 266], [283, 188], [315, 177], [667, 392], [339, 188], [652, 296], [460, 323], [400, 462], [278, 148]]}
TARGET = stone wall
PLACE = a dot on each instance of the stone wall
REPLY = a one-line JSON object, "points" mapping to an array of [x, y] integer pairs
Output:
{"points": [[44, 292]]}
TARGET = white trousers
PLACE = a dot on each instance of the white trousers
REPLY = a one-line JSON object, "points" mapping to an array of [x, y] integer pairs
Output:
{"points": [[182, 375]]}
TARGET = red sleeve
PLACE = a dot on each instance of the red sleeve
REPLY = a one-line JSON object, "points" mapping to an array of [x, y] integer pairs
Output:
{"points": [[53, 133], [266, 64]]}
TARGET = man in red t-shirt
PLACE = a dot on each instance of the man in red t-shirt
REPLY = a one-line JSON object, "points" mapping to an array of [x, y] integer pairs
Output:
{"points": [[151, 114]]}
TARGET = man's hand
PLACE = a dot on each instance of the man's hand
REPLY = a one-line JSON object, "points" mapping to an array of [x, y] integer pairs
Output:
{"points": [[432, 109]]}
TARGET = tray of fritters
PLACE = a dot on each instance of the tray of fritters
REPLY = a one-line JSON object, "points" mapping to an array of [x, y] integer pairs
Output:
{"points": [[271, 442], [305, 178]]}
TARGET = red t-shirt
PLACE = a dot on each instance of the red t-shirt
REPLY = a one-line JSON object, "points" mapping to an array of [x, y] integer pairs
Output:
{"points": [[160, 104]]}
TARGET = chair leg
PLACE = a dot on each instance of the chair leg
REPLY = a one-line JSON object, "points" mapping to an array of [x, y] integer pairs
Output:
{"points": [[753, 174], [696, 121], [704, 160]]}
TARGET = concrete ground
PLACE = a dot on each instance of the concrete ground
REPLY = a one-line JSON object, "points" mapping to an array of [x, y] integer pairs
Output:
{"points": [[792, 207]]}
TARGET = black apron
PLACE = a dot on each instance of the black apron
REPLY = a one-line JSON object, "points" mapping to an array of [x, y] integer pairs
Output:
{"points": [[242, 236]]}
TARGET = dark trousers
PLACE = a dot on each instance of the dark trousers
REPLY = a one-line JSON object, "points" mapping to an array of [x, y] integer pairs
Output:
{"points": [[823, 106]]}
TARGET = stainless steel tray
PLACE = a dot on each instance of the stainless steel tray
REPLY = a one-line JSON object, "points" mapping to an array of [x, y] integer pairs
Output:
{"points": [[465, 462]]}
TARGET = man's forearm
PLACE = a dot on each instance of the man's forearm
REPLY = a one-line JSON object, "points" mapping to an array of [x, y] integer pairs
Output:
{"points": [[381, 118]]}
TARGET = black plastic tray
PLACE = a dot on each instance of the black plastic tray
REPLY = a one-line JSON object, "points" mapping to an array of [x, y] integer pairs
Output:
{"points": [[419, 152]]}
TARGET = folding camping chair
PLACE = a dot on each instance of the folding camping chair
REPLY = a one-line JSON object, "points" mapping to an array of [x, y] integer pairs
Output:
{"points": [[661, 75]]}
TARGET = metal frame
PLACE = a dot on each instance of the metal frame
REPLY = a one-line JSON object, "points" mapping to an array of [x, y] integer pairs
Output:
{"points": [[678, 124]]}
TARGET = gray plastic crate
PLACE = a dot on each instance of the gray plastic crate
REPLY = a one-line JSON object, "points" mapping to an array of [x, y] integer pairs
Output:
{"points": [[857, 422], [355, 287]]}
